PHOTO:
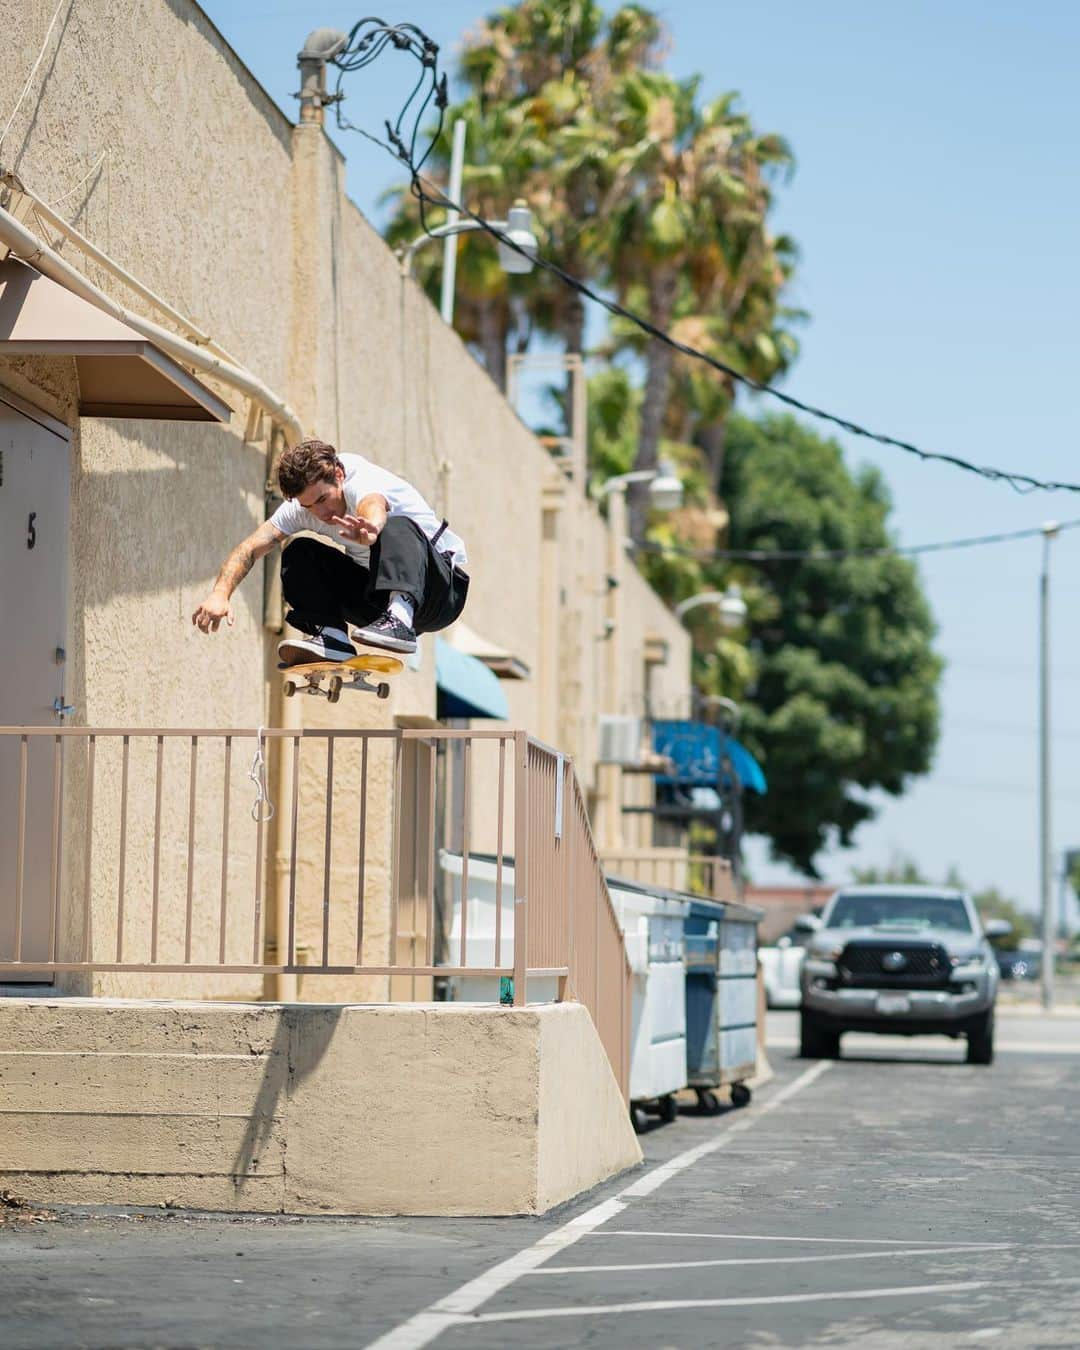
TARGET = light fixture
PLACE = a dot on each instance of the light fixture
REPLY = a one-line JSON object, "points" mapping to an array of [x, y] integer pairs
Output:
{"points": [[732, 607], [665, 490], [730, 603], [519, 230], [517, 227]]}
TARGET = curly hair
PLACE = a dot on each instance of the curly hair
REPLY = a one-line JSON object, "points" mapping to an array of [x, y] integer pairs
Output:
{"points": [[306, 463]]}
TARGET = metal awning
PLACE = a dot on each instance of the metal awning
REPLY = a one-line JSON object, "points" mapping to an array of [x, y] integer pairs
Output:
{"points": [[465, 686], [121, 373], [702, 756], [499, 660]]}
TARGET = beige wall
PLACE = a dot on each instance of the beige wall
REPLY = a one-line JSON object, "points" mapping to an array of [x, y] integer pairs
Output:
{"points": [[426, 1109], [211, 197]]}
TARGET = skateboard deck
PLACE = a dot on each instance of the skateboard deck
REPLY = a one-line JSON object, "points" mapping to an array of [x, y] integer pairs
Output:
{"points": [[326, 679]]}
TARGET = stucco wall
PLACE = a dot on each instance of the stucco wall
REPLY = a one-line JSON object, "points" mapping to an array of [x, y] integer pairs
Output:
{"points": [[427, 1109], [208, 195]]}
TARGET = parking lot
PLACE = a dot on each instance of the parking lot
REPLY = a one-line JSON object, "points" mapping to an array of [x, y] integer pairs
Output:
{"points": [[890, 1198]]}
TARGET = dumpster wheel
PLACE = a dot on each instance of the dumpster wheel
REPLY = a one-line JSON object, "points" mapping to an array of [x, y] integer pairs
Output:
{"points": [[707, 1101], [740, 1094]]}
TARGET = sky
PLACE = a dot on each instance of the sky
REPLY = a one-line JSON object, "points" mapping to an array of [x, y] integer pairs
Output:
{"points": [[937, 209]]}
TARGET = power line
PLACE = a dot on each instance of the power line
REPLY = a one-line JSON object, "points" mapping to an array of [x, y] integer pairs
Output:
{"points": [[841, 554], [951, 725], [369, 38]]}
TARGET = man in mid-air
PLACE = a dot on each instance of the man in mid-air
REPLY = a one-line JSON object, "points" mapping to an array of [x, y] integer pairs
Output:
{"points": [[399, 572]]}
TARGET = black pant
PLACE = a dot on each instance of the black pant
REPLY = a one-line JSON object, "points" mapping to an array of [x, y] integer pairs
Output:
{"points": [[323, 586]]}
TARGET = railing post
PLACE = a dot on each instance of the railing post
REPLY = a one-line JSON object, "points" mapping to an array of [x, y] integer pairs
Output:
{"points": [[568, 841], [521, 862]]}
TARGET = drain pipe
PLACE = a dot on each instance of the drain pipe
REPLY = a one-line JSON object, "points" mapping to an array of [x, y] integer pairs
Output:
{"points": [[26, 246]]}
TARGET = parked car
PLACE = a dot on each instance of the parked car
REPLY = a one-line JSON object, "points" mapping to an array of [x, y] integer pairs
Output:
{"points": [[900, 960], [1018, 965], [781, 963]]}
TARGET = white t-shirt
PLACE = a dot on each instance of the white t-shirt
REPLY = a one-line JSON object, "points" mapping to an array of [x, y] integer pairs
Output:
{"points": [[361, 478]]}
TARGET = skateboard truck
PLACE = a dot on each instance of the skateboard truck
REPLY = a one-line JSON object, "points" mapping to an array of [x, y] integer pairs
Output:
{"points": [[326, 679]]}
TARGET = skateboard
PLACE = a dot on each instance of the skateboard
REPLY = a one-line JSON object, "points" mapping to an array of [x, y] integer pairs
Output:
{"points": [[326, 679]]}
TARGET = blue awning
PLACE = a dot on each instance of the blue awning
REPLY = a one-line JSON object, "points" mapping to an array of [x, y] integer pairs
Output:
{"points": [[698, 751], [466, 688]]}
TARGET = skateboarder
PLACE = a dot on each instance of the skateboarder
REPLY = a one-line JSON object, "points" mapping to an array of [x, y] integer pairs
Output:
{"points": [[399, 573]]}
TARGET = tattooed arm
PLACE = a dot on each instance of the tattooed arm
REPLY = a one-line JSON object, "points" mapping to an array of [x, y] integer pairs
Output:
{"points": [[234, 569]]}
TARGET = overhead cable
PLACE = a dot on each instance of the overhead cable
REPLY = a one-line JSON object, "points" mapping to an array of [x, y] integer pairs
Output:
{"points": [[369, 38], [841, 554]]}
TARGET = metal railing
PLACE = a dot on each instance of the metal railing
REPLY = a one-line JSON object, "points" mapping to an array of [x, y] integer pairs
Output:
{"points": [[167, 851], [673, 870]]}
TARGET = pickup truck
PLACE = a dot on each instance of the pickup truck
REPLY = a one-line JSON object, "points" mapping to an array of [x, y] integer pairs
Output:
{"points": [[900, 960]]}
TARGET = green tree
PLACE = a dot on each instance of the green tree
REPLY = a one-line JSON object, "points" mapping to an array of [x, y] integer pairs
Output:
{"points": [[843, 700], [901, 871], [992, 904]]}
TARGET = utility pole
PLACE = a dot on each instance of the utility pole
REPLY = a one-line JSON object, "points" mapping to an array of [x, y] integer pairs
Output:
{"points": [[449, 271], [1046, 880]]}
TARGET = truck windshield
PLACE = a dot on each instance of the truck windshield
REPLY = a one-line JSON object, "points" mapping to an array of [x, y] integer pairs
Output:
{"points": [[899, 911]]}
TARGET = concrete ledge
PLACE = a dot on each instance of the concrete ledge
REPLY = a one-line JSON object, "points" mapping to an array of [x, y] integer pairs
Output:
{"points": [[435, 1108]]}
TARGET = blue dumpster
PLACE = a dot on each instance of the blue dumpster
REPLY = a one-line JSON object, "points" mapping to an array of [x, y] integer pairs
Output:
{"points": [[721, 998]]}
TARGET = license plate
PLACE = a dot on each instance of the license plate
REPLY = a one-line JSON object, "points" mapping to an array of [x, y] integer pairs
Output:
{"points": [[893, 1003]]}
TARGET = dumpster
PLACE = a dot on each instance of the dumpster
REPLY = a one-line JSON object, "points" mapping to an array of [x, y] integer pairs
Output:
{"points": [[480, 906], [721, 999], [652, 923]]}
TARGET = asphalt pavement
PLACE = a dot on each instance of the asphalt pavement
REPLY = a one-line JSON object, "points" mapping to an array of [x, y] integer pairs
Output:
{"points": [[896, 1197]]}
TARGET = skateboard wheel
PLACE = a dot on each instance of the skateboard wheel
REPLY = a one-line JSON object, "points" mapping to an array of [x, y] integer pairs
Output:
{"points": [[333, 692], [290, 688], [383, 691]]}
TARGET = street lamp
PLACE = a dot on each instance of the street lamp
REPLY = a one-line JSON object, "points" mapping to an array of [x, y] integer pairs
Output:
{"points": [[730, 603], [665, 489], [518, 229]]}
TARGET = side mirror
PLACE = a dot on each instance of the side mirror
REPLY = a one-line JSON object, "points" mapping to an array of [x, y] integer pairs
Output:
{"points": [[997, 928], [807, 923]]}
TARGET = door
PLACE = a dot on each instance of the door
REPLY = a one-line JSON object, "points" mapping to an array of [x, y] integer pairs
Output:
{"points": [[35, 476]]}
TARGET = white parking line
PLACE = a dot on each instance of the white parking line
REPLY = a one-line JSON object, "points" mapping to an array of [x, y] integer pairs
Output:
{"points": [[759, 1237], [674, 1304], [865, 1042], [461, 1305], [888, 1253]]}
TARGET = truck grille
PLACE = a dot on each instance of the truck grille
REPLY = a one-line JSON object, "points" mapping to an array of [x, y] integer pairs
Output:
{"points": [[894, 965]]}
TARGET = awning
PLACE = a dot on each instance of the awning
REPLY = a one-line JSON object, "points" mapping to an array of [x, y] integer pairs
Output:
{"points": [[698, 752], [121, 373], [466, 688], [498, 659]]}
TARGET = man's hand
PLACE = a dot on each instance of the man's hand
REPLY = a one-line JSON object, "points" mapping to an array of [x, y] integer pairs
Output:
{"points": [[210, 613], [358, 529], [234, 569]]}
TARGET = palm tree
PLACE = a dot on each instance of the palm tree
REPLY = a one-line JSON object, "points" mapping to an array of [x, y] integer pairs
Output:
{"points": [[492, 312], [690, 194], [538, 75]]}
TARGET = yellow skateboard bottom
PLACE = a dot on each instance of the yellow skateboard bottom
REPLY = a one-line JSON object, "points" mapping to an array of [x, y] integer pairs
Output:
{"points": [[309, 677]]}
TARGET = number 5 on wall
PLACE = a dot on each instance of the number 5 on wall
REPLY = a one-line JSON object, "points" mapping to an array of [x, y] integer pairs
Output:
{"points": [[31, 531]]}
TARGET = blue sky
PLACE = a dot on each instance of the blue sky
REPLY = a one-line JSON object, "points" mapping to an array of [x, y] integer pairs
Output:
{"points": [[937, 209]]}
